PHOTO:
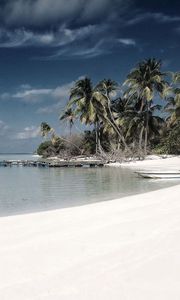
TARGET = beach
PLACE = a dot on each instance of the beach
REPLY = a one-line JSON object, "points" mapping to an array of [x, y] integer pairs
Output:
{"points": [[152, 162], [125, 248]]}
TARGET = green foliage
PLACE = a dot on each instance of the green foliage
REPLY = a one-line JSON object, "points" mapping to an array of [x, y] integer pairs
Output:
{"points": [[89, 142], [171, 143], [43, 147], [51, 148], [68, 116], [161, 149], [45, 129], [77, 144], [128, 121]]}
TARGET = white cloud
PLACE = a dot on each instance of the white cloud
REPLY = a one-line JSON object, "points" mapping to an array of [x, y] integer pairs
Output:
{"points": [[60, 94], [166, 18], [127, 42], [25, 93], [93, 51], [28, 133], [50, 108], [88, 39], [158, 17], [61, 37], [32, 95], [62, 91], [40, 95], [57, 96], [39, 11], [44, 12], [84, 51], [25, 86]]}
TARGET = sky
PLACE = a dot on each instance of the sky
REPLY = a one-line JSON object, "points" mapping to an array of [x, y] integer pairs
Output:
{"points": [[46, 45]]}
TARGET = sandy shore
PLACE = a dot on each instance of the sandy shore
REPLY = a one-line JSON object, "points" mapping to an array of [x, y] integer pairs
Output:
{"points": [[156, 163], [120, 249]]}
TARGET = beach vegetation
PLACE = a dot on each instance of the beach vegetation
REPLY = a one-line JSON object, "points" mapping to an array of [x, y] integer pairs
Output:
{"points": [[140, 116]]}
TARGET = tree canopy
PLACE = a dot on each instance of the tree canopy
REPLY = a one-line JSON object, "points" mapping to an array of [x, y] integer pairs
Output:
{"points": [[128, 117]]}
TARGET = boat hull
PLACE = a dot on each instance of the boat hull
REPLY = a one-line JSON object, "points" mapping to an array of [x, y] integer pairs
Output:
{"points": [[160, 175]]}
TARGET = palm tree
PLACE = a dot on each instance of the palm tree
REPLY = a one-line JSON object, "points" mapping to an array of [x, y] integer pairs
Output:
{"points": [[45, 129], [106, 88], [173, 99], [86, 105], [138, 124], [144, 82], [69, 116], [80, 99]]}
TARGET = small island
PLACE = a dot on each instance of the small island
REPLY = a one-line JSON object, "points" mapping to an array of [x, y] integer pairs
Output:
{"points": [[139, 117]]}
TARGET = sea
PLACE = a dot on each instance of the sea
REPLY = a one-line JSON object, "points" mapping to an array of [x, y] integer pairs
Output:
{"points": [[33, 189]]}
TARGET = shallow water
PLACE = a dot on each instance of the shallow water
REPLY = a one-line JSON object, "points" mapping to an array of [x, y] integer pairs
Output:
{"points": [[28, 189]]}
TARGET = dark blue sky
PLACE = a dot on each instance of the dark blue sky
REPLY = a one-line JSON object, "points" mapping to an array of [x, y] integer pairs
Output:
{"points": [[45, 45]]}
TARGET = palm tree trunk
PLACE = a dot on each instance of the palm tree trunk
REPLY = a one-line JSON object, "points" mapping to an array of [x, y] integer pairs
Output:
{"points": [[145, 142], [70, 128], [97, 137], [113, 124], [142, 105], [140, 138], [146, 134], [116, 129], [118, 143]]}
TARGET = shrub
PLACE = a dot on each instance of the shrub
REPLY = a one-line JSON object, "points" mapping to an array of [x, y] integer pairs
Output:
{"points": [[43, 147], [171, 143], [89, 142]]}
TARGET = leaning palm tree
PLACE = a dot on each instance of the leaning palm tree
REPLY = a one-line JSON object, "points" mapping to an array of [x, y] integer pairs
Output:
{"points": [[145, 81], [86, 105], [69, 116], [55, 139], [105, 89], [45, 129], [120, 109], [92, 105]]}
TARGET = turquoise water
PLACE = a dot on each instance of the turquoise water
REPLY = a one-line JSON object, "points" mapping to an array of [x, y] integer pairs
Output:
{"points": [[28, 189]]}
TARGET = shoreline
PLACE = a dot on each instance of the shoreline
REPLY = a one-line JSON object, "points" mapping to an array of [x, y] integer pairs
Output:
{"points": [[125, 248], [152, 162]]}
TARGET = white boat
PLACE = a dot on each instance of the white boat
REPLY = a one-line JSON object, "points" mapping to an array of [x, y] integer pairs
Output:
{"points": [[160, 175]]}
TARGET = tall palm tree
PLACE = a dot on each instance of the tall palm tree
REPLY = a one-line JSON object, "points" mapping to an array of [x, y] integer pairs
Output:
{"points": [[123, 110], [173, 100], [145, 81], [138, 124], [86, 105], [105, 89], [69, 116]]}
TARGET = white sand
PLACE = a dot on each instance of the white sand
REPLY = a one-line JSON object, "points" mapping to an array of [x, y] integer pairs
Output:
{"points": [[152, 163], [126, 249]]}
